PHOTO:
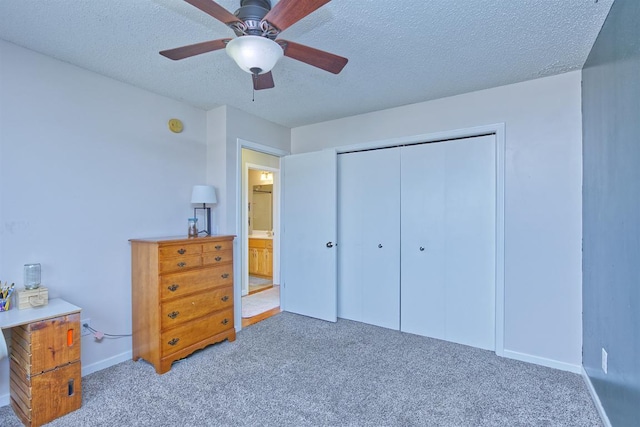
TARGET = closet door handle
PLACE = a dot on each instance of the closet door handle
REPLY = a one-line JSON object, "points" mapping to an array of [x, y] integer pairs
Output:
{"points": [[329, 244], [380, 245], [421, 249]]}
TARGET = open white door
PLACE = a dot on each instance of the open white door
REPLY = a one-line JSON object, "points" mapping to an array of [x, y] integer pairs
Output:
{"points": [[309, 230]]}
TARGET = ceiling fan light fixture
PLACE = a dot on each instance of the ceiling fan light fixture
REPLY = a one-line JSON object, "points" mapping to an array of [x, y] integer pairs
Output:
{"points": [[253, 53]]}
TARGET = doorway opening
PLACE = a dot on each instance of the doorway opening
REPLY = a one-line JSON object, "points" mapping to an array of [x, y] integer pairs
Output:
{"points": [[260, 236]]}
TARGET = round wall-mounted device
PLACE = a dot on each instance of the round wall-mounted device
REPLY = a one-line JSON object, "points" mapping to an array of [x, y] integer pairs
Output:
{"points": [[175, 125]]}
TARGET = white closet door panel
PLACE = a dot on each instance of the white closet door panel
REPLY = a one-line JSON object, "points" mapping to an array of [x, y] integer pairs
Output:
{"points": [[470, 242], [369, 251], [423, 293], [309, 270], [455, 224]]}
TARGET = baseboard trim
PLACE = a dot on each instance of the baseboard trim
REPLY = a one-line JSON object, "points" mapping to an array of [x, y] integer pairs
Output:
{"points": [[86, 370], [549, 363], [595, 398], [105, 363]]}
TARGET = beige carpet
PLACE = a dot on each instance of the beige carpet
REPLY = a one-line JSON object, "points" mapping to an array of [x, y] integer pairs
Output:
{"points": [[260, 302]]}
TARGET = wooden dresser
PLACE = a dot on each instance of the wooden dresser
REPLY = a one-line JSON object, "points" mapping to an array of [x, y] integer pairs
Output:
{"points": [[182, 296]]}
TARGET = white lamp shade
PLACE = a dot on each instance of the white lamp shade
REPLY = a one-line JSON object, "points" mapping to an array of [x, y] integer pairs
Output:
{"points": [[203, 194], [254, 52]]}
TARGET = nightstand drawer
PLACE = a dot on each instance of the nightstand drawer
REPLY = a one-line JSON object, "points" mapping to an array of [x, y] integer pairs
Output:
{"points": [[181, 310], [41, 346], [188, 334], [39, 399]]}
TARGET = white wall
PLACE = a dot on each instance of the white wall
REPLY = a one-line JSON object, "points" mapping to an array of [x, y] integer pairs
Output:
{"points": [[542, 198], [87, 163], [225, 125], [223, 169]]}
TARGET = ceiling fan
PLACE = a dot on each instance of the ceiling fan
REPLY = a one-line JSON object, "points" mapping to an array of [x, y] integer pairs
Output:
{"points": [[255, 49]]}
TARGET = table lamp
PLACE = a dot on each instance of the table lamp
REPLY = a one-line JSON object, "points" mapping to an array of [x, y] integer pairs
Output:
{"points": [[205, 194]]}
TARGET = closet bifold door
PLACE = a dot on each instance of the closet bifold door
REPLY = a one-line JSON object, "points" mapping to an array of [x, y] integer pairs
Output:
{"points": [[369, 237], [448, 206]]}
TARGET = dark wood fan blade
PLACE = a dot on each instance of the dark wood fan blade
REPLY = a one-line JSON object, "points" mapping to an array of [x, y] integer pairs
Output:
{"points": [[263, 81], [214, 9], [318, 58], [287, 12], [195, 49]]}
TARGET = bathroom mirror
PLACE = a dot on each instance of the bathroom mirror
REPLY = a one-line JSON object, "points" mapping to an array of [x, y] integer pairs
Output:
{"points": [[262, 207]]}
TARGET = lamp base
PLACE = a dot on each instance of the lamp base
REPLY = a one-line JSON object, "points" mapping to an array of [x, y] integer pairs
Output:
{"points": [[207, 210]]}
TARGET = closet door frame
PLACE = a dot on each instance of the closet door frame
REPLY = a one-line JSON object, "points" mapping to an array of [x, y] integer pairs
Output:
{"points": [[497, 129]]}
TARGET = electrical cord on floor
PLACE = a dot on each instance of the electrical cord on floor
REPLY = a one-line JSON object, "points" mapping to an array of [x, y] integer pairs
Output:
{"points": [[99, 335]]}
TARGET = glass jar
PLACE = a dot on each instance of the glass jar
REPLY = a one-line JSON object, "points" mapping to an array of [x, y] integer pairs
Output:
{"points": [[193, 227], [32, 276]]}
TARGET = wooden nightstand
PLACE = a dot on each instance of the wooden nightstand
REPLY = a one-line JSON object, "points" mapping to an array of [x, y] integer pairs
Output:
{"points": [[45, 368]]}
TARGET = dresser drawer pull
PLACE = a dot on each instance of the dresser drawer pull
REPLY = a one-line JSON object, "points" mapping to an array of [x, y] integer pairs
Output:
{"points": [[173, 314], [218, 258], [218, 247], [225, 298], [225, 275], [182, 264], [182, 251], [225, 321], [173, 287], [174, 341]]}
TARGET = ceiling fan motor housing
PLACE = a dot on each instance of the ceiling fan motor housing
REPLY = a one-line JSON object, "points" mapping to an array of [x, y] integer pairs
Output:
{"points": [[251, 13]]}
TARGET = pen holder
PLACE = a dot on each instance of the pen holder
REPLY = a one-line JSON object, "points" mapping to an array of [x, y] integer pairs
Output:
{"points": [[5, 304]]}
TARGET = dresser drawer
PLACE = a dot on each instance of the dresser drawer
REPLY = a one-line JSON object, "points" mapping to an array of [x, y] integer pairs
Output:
{"points": [[217, 246], [188, 334], [181, 310], [180, 263], [212, 258], [171, 251], [177, 284]]}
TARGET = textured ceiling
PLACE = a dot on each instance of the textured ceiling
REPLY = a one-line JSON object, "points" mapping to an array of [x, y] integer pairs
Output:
{"points": [[400, 51]]}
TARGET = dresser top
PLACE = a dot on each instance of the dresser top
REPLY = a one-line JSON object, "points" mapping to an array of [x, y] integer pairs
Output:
{"points": [[182, 239]]}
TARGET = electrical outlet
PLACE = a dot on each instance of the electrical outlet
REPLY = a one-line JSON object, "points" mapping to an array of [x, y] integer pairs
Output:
{"points": [[605, 361], [85, 331]]}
